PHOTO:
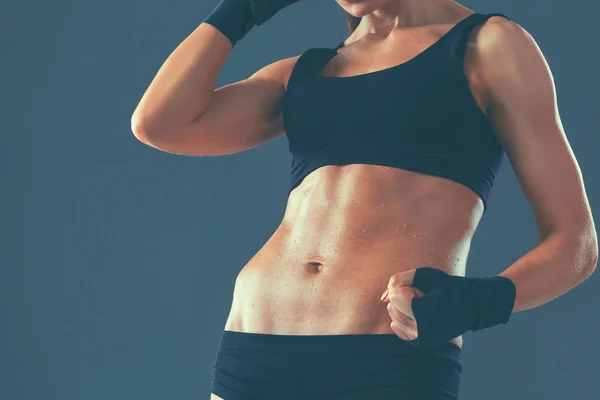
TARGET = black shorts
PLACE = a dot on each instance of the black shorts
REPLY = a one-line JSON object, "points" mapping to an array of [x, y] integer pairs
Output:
{"points": [[252, 366]]}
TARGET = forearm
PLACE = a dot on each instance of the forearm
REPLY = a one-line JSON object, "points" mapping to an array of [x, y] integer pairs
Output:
{"points": [[556, 265], [184, 85]]}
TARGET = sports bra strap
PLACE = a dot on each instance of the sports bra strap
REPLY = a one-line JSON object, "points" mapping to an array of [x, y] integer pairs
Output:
{"points": [[463, 34], [496, 15]]}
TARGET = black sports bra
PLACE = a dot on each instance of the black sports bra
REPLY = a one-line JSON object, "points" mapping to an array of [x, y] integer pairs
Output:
{"points": [[419, 116]]}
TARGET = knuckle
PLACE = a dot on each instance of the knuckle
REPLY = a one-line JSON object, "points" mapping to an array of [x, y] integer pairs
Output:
{"points": [[402, 291], [402, 331], [392, 296], [407, 321], [405, 292]]}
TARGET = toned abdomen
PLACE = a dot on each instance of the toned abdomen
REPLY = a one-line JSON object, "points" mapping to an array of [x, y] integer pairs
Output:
{"points": [[346, 231]]}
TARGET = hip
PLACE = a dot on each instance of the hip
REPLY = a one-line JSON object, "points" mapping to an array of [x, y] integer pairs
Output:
{"points": [[374, 366]]}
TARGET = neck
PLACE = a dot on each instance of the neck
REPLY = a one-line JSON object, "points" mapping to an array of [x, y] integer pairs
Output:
{"points": [[397, 14]]}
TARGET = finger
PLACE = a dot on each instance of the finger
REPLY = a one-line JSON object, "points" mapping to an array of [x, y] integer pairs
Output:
{"points": [[401, 299], [409, 325], [402, 279], [399, 331], [385, 295], [416, 291]]}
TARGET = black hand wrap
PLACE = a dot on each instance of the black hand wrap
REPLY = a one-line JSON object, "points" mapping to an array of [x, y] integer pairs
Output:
{"points": [[235, 18], [453, 305]]}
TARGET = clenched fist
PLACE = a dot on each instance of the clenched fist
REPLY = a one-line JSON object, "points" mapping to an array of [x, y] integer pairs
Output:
{"points": [[399, 296], [429, 307]]}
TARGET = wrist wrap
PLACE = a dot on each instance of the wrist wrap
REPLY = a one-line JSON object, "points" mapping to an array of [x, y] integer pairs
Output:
{"points": [[453, 305], [233, 18]]}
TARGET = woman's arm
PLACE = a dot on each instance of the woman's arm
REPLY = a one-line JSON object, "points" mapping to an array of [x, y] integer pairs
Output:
{"points": [[429, 307], [182, 113], [183, 87], [522, 106]]}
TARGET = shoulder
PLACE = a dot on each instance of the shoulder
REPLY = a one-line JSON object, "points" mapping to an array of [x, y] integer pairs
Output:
{"points": [[500, 37], [497, 51], [496, 27]]}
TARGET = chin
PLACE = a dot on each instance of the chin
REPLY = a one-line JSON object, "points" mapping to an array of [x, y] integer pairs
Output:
{"points": [[360, 8]]}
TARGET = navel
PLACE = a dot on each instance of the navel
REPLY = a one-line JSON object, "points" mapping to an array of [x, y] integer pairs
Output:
{"points": [[314, 267]]}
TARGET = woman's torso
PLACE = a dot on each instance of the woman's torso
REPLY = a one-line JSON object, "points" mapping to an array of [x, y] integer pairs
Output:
{"points": [[348, 229]]}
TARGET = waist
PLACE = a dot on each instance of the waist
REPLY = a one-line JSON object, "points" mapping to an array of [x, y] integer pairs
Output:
{"points": [[323, 271], [299, 293], [348, 367]]}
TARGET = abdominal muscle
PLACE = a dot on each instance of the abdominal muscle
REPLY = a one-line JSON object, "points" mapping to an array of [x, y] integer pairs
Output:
{"points": [[345, 232]]}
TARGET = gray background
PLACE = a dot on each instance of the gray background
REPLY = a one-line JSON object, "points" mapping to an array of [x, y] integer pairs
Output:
{"points": [[118, 261]]}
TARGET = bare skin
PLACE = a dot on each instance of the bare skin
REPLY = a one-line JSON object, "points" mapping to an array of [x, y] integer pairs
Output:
{"points": [[346, 231]]}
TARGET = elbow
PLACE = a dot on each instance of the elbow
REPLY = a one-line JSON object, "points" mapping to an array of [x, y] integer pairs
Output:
{"points": [[593, 251], [581, 244], [140, 129], [591, 265], [168, 141], [146, 132], [157, 136], [577, 249], [588, 254]]}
